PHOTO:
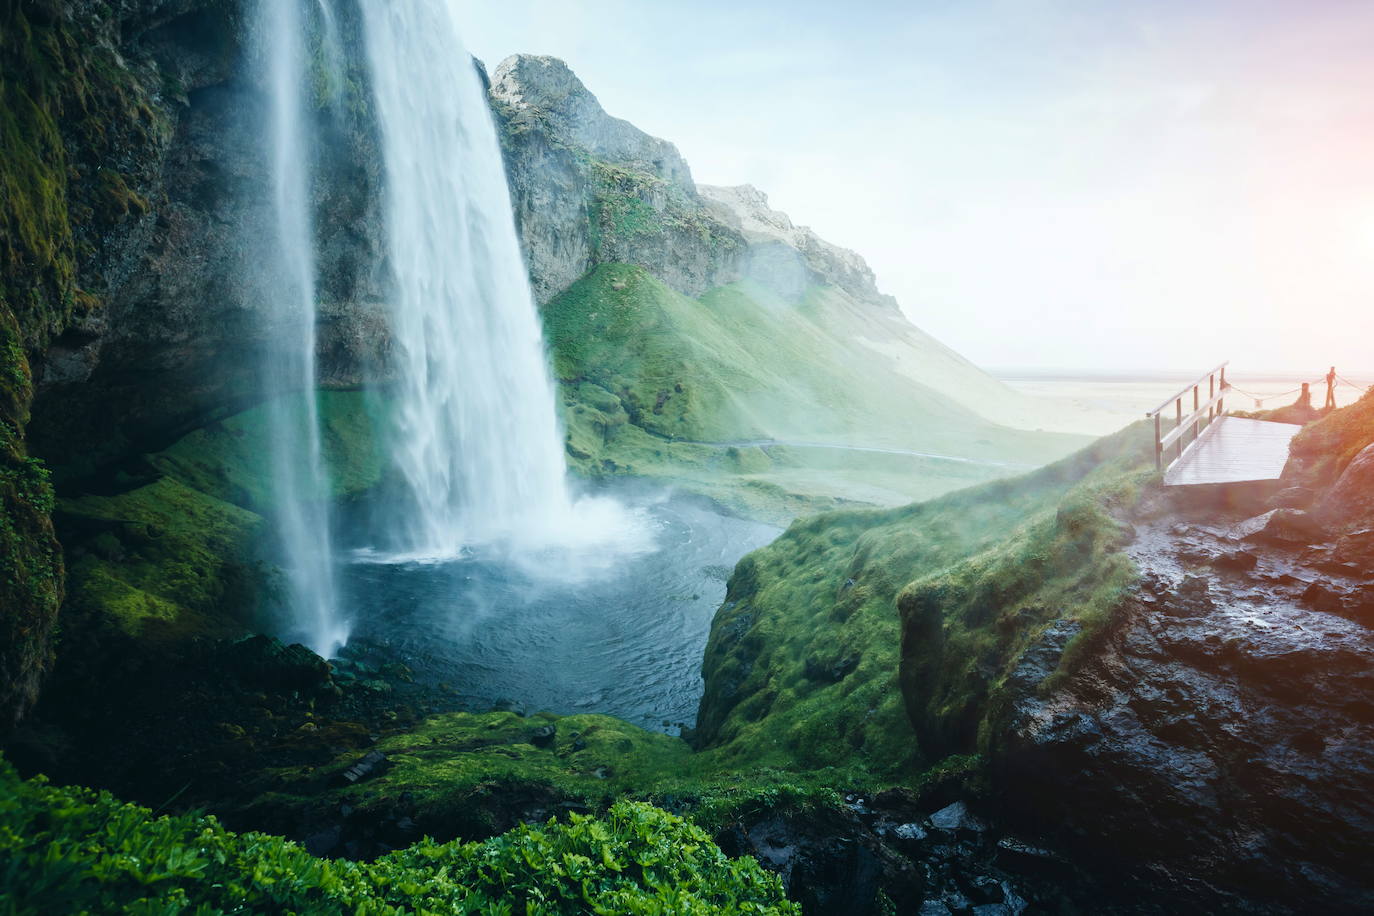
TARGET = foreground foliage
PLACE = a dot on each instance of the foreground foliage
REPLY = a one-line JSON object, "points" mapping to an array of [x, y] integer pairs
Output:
{"points": [[73, 850]]}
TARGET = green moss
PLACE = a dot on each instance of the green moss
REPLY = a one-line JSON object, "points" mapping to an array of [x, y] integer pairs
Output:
{"points": [[162, 560], [62, 89], [231, 459], [460, 771], [627, 206], [73, 850], [803, 663]]}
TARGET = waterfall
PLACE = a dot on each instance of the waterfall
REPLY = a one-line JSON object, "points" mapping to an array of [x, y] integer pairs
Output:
{"points": [[300, 487], [476, 438]]}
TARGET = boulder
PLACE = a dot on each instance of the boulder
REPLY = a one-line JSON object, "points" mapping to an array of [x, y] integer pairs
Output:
{"points": [[1350, 503], [956, 818], [1279, 526], [1294, 498]]}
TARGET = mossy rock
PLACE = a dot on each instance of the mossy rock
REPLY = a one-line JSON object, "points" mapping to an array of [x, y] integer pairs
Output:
{"points": [[877, 638]]}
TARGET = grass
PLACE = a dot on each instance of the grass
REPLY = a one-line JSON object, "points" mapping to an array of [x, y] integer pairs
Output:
{"points": [[658, 384], [1324, 448], [805, 660]]}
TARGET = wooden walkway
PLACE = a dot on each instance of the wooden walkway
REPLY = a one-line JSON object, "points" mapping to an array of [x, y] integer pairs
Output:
{"points": [[1233, 450]]}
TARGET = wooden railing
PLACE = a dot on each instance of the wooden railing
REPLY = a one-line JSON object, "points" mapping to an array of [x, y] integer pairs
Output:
{"points": [[1202, 415]]}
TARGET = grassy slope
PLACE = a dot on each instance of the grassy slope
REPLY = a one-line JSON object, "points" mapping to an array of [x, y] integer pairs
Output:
{"points": [[1324, 448], [649, 376], [802, 667]]}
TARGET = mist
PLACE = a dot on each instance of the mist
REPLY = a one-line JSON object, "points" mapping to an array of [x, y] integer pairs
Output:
{"points": [[1153, 187]]}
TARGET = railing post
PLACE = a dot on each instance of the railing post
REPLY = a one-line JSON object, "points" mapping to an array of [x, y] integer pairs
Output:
{"points": [[1196, 404], [1178, 421], [1159, 449], [1211, 393]]}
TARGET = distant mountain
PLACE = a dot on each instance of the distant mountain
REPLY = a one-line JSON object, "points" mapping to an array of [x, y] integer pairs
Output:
{"points": [[687, 312]]}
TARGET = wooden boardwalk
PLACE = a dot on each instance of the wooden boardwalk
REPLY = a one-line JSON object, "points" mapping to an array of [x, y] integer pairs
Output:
{"points": [[1233, 450]]}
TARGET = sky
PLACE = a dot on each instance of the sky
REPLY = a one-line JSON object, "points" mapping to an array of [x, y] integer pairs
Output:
{"points": [[1132, 185]]}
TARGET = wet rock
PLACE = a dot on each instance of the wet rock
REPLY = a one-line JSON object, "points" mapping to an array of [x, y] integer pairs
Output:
{"points": [[909, 832], [1191, 598], [371, 764], [1294, 498], [1320, 597], [544, 735], [324, 842], [1279, 526], [956, 818], [934, 908], [1356, 548], [268, 662], [1238, 560], [1350, 502], [1230, 753]]}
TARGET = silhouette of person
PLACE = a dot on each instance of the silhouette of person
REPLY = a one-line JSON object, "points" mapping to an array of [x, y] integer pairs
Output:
{"points": [[1330, 390]]}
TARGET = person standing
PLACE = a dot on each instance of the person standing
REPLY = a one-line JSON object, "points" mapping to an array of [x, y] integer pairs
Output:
{"points": [[1330, 390]]}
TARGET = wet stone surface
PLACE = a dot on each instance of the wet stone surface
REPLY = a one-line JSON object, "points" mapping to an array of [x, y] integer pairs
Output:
{"points": [[1223, 738]]}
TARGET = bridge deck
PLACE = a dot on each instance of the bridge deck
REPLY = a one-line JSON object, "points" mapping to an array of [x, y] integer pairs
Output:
{"points": [[1234, 450]]}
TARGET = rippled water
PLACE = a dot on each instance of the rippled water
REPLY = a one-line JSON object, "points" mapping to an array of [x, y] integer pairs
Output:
{"points": [[623, 638]]}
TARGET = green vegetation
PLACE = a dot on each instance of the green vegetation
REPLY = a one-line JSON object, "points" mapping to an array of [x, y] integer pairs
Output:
{"points": [[1324, 448], [178, 552], [462, 769], [802, 667], [629, 207], [73, 850], [660, 385], [61, 89]]}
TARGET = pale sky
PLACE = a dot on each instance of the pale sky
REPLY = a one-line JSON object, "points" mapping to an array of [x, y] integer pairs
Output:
{"points": [[1152, 184]]}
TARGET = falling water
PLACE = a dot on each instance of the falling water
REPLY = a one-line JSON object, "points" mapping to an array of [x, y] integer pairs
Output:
{"points": [[476, 436], [299, 483]]}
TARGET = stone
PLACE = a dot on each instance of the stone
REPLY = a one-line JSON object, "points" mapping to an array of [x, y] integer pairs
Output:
{"points": [[544, 735], [956, 818], [1322, 598], [1350, 501], [1279, 526], [1237, 560], [371, 764], [909, 832], [1294, 498]]}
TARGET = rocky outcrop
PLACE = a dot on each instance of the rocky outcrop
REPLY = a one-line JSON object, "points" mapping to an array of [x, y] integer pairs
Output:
{"points": [[1220, 735], [1350, 502], [591, 189], [790, 259]]}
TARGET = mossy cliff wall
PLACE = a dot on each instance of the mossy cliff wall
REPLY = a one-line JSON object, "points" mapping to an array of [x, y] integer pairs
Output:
{"points": [[132, 186]]}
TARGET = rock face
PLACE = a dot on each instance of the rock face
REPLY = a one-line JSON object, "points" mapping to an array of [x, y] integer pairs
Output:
{"points": [[178, 337], [1221, 735], [1350, 503], [591, 189], [787, 258]]}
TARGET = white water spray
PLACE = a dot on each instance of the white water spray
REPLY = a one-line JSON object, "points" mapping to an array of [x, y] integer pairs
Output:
{"points": [[300, 487], [476, 436]]}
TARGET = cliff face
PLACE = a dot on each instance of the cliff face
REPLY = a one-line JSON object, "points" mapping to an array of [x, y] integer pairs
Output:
{"points": [[591, 189], [134, 192], [176, 332]]}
